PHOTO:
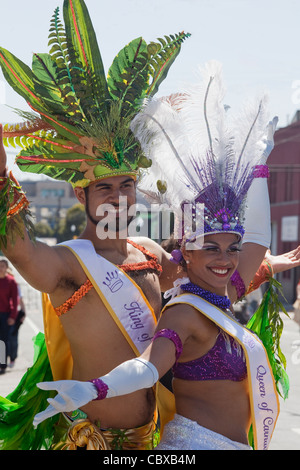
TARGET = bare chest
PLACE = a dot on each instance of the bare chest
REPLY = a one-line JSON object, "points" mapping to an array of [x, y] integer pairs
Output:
{"points": [[149, 284]]}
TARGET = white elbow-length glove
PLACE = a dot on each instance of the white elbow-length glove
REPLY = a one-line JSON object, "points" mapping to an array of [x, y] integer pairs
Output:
{"points": [[257, 215], [128, 377]]}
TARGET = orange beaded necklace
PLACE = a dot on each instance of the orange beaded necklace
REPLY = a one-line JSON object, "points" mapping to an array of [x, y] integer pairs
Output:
{"points": [[150, 264]]}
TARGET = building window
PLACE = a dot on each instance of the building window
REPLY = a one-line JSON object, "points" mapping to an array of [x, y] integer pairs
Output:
{"points": [[47, 193]]}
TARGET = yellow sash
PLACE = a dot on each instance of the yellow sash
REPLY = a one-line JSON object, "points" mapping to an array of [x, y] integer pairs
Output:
{"points": [[263, 395], [58, 346]]}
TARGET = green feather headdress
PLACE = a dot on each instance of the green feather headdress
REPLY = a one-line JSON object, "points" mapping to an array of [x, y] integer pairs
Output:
{"points": [[79, 128]]}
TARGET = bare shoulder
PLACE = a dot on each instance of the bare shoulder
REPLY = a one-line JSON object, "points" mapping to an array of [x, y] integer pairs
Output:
{"points": [[170, 270], [184, 317], [181, 311], [150, 245], [65, 255], [180, 317], [70, 266], [41, 265]]}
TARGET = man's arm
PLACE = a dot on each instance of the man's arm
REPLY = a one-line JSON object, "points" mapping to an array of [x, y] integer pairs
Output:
{"points": [[272, 264], [284, 262], [40, 265]]}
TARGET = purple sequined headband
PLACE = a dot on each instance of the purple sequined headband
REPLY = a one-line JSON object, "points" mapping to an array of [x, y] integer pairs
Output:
{"points": [[215, 216], [223, 220]]}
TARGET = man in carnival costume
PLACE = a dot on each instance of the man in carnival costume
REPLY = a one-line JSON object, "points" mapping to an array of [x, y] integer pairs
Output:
{"points": [[79, 132]]}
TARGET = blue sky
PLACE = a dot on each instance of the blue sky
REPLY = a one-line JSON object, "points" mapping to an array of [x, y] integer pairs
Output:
{"points": [[257, 42]]}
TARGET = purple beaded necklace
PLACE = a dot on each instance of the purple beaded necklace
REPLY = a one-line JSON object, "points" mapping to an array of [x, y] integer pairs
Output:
{"points": [[219, 301]]}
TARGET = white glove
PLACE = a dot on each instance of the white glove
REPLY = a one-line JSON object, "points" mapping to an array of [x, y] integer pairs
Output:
{"points": [[126, 378], [257, 215], [269, 140], [72, 394]]}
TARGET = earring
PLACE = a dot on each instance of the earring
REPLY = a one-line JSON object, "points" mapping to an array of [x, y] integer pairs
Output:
{"points": [[187, 261]]}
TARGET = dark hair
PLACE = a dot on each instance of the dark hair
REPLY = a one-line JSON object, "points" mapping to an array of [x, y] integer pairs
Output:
{"points": [[171, 244]]}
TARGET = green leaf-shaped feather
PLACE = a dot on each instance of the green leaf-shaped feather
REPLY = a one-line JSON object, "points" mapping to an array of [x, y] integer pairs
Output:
{"points": [[82, 39], [128, 75], [19, 76], [68, 76], [162, 57], [46, 83], [268, 325]]}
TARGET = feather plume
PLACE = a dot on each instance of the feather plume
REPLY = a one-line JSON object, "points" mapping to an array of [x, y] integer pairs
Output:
{"points": [[176, 135], [206, 121], [199, 151], [203, 108], [159, 130], [24, 128]]}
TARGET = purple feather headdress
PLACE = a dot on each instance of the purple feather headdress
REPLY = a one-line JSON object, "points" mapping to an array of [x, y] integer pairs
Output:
{"points": [[201, 155]]}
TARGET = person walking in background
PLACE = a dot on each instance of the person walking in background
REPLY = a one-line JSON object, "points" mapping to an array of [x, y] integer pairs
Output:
{"points": [[8, 305]]}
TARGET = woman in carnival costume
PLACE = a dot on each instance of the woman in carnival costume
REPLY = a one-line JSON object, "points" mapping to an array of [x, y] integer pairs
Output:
{"points": [[225, 381]]}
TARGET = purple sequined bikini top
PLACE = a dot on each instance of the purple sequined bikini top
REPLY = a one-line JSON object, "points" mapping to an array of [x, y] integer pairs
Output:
{"points": [[224, 361]]}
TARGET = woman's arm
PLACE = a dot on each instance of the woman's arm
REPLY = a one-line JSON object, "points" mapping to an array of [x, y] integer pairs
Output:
{"points": [[257, 225], [130, 376]]}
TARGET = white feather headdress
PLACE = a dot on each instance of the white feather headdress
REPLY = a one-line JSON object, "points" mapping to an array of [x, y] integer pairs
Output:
{"points": [[200, 153]]}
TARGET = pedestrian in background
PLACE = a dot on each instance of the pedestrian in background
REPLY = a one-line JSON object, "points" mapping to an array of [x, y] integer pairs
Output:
{"points": [[8, 306], [13, 335]]}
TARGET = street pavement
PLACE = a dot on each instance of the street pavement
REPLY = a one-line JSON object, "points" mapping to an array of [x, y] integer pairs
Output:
{"points": [[287, 432]]}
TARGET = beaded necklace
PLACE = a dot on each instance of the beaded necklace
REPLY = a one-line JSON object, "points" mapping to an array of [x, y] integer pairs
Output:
{"points": [[219, 301], [150, 264]]}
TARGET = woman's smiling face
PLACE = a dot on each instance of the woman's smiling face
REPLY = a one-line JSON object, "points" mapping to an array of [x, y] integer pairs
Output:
{"points": [[212, 266]]}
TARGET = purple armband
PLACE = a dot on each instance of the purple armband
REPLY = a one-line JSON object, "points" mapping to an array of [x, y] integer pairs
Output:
{"points": [[239, 284], [261, 171], [101, 387], [176, 256], [173, 336]]}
